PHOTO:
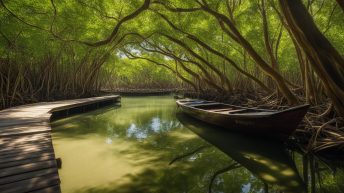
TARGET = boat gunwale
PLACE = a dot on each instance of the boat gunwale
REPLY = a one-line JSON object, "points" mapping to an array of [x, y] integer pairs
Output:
{"points": [[243, 115], [235, 106]]}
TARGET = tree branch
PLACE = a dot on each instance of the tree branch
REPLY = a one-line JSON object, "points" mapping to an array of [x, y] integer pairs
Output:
{"points": [[108, 40], [176, 9]]}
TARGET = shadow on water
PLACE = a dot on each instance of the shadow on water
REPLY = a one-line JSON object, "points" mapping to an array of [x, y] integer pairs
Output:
{"points": [[144, 147], [266, 159]]}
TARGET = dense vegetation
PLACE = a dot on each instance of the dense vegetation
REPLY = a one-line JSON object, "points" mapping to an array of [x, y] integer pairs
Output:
{"points": [[278, 52]]}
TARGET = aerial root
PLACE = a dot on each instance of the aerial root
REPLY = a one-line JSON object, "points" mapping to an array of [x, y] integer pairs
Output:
{"points": [[221, 171]]}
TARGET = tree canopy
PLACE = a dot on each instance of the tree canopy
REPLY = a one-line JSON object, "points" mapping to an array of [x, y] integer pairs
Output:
{"points": [[292, 50]]}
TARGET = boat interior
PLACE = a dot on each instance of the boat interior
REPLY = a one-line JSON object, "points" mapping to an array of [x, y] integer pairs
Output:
{"points": [[222, 108]]}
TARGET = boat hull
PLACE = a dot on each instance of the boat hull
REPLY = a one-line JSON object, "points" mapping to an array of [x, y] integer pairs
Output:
{"points": [[281, 124]]}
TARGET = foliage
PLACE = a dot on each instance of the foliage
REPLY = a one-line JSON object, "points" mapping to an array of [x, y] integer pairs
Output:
{"points": [[223, 46]]}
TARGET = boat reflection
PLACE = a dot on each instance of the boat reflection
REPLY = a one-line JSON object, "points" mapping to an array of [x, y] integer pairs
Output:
{"points": [[266, 159]]}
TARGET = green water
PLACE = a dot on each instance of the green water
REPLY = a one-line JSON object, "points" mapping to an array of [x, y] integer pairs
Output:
{"points": [[146, 145]]}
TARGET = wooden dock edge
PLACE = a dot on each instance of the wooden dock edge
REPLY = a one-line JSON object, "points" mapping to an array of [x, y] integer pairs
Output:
{"points": [[27, 157], [68, 110]]}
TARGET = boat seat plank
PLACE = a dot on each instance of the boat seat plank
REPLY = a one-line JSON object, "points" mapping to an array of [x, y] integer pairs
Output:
{"points": [[233, 111], [204, 104], [191, 101], [196, 103], [218, 110]]}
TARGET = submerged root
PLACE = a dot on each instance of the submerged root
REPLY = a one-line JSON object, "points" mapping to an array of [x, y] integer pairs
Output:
{"points": [[189, 153], [221, 171]]}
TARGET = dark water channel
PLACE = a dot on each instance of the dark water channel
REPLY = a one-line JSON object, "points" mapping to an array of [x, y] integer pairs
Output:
{"points": [[146, 145]]}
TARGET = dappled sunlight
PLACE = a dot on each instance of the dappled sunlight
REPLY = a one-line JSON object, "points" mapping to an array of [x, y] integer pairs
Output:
{"points": [[268, 75], [266, 159], [151, 151], [182, 135], [91, 163], [268, 177], [281, 173], [105, 153], [288, 172], [131, 157]]}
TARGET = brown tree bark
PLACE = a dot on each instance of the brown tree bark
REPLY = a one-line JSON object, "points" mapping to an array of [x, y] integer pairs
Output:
{"points": [[222, 76], [212, 50], [131, 56], [324, 58], [267, 41], [341, 4], [205, 75], [279, 80]]}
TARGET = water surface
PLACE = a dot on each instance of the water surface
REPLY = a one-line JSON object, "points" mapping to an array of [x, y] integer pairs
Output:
{"points": [[146, 145]]}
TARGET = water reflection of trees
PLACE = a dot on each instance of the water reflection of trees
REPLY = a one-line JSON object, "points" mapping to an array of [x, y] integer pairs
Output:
{"points": [[154, 130], [107, 122], [319, 173], [157, 131]]}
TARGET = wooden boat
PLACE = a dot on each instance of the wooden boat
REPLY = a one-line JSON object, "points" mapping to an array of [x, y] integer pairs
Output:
{"points": [[264, 122]]}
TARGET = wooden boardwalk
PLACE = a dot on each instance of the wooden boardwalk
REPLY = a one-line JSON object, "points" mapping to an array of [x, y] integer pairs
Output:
{"points": [[141, 92], [27, 159]]}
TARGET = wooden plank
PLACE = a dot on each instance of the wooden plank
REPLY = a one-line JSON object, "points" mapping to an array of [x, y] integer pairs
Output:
{"points": [[18, 127], [28, 156], [10, 153], [52, 189], [21, 133], [27, 161], [26, 138], [28, 168], [13, 122], [25, 149], [205, 104], [24, 130], [25, 146], [233, 111], [218, 110], [24, 116], [32, 184], [84, 102], [27, 175]]}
